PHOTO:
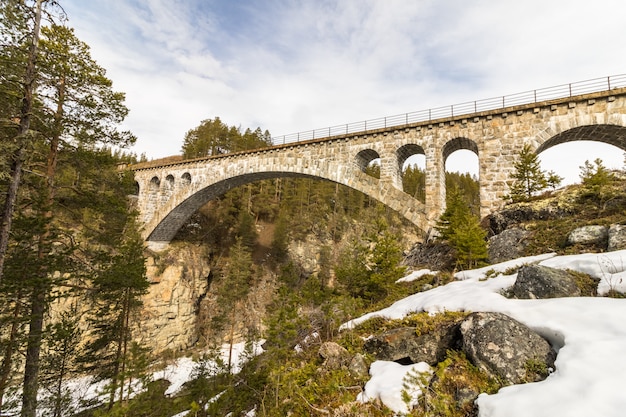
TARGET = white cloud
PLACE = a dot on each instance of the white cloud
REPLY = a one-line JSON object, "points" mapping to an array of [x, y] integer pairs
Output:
{"points": [[295, 65]]}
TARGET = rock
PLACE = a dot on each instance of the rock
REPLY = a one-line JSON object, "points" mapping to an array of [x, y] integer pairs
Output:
{"points": [[404, 346], [617, 237], [588, 235], [505, 348], [435, 256], [499, 221], [538, 282], [509, 244], [358, 367], [335, 356]]}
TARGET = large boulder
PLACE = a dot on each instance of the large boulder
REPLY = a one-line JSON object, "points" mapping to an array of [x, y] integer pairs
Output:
{"points": [[617, 237], [514, 214], [403, 345], [510, 244], [435, 256], [588, 235], [505, 348], [537, 282]]}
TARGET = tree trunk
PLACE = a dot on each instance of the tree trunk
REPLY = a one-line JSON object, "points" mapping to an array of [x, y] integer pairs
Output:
{"points": [[11, 347], [18, 157], [33, 350], [40, 292]]}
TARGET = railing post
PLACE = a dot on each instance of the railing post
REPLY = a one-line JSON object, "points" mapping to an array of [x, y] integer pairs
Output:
{"points": [[570, 89], [385, 122], [406, 118], [535, 95], [452, 110], [429, 115], [503, 101], [475, 107], [608, 82]]}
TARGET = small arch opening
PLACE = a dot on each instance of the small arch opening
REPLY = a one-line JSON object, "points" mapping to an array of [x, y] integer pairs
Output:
{"points": [[368, 162], [186, 178], [412, 164], [169, 181], [461, 164], [155, 183]]}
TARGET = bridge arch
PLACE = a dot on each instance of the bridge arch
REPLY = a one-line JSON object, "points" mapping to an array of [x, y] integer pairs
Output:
{"points": [[610, 134], [182, 204]]}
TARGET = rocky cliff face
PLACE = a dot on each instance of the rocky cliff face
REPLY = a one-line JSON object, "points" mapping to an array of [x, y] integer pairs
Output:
{"points": [[180, 281]]}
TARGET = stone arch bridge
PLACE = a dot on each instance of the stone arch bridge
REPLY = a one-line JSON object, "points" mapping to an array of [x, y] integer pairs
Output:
{"points": [[169, 193]]}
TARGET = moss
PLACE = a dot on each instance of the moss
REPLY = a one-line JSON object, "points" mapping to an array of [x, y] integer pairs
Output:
{"points": [[453, 387], [536, 370], [587, 284]]}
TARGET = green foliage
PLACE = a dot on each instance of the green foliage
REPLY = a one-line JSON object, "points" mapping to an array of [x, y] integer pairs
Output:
{"points": [[467, 187], [414, 182], [536, 370], [453, 388], [214, 137], [528, 178], [118, 289], [553, 180], [462, 230], [368, 269], [596, 181]]}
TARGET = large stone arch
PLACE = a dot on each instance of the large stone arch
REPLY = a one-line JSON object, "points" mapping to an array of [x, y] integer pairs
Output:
{"points": [[172, 216], [610, 134]]}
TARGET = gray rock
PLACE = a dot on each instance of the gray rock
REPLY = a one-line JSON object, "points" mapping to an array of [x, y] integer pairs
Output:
{"points": [[358, 367], [404, 346], [509, 244], [617, 237], [538, 282], [588, 235], [335, 356], [505, 348]]}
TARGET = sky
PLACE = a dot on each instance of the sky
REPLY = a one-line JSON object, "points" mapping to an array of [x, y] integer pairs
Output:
{"points": [[295, 65]]}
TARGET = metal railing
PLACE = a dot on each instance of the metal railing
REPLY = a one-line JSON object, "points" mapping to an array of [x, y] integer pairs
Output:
{"points": [[528, 97]]}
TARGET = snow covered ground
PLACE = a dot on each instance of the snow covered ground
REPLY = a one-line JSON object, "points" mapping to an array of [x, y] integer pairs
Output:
{"points": [[588, 333]]}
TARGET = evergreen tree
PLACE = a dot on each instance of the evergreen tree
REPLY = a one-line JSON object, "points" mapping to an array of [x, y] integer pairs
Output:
{"points": [[595, 179], [214, 137], [414, 182], [462, 230], [553, 180], [528, 178], [238, 276], [61, 351], [117, 293]]}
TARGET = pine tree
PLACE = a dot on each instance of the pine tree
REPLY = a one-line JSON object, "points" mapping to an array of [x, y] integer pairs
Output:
{"points": [[462, 230], [238, 281], [118, 289], [528, 178]]}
